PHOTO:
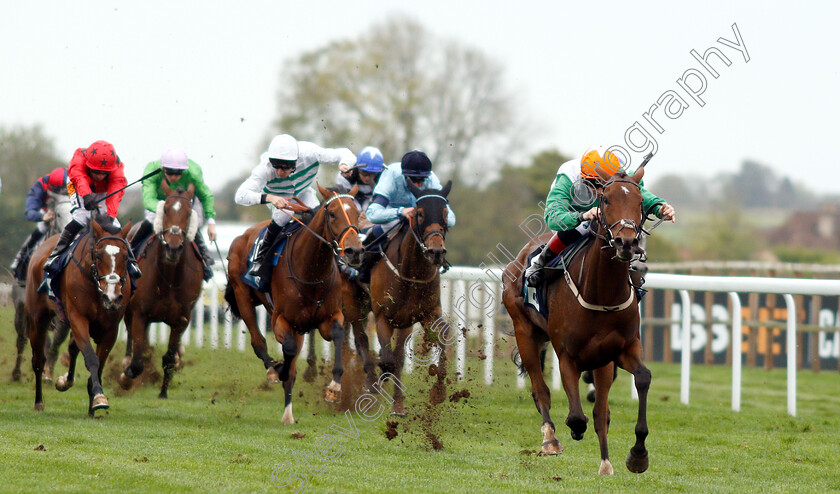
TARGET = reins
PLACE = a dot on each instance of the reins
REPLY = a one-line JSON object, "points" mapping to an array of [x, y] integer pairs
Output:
{"points": [[421, 242]]}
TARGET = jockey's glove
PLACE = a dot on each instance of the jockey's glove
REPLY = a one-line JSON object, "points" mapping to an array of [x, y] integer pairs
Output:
{"points": [[90, 202]]}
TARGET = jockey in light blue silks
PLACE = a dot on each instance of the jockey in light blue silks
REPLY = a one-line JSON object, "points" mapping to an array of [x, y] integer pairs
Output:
{"points": [[392, 201], [287, 169]]}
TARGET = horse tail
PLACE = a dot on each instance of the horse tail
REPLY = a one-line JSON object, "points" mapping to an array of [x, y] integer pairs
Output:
{"points": [[230, 298], [517, 361]]}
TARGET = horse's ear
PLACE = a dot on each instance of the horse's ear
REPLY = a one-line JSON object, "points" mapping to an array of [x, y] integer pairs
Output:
{"points": [[98, 231], [415, 190], [191, 190], [446, 189], [164, 185], [354, 190], [637, 176], [604, 174], [325, 193], [125, 230]]}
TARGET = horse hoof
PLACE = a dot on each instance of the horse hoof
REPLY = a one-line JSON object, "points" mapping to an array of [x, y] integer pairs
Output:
{"points": [[63, 384], [605, 468], [163, 396], [637, 464], [271, 375], [46, 377], [310, 374], [16, 375], [333, 392], [590, 396], [39, 407], [288, 418], [100, 402], [126, 361], [124, 381], [398, 411], [552, 447]]}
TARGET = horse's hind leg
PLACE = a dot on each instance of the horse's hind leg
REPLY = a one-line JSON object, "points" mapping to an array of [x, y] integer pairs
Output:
{"points": [[98, 401], [631, 361], [289, 383], [22, 328], [603, 378], [363, 349], [570, 376], [311, 371], [37, 336], [170, 359], [65, 382], [61, 330], [137, 326], [529, 341], [249, 316], [387, 362]]}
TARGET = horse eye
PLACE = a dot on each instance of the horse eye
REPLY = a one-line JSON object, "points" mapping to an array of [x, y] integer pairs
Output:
{"points": [[606, 201]]}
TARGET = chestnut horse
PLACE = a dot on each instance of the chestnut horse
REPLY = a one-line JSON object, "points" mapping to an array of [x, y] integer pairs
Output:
{"points": [[305, 289], [94, 292], [593, 323], [170, 286], [405, 287]]}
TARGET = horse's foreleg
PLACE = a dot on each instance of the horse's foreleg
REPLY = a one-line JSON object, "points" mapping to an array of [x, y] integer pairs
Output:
{"points": [[570, 375], [437, 333], [65, 382], [140, 352], [387, 363], [363, 349], [603, 378], [61, 330], [287, 338], [334, 329], [249, 317], [631, 361], [530, 341], [22, 328], [37, 335], [289, 383], [311, 371], [170, 358]]}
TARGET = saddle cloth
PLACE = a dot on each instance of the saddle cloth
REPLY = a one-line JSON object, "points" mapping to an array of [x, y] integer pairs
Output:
{"points": [[537, 297]]}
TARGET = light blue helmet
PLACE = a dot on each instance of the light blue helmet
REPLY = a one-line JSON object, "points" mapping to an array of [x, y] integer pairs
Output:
{"points": [[370, 160]]}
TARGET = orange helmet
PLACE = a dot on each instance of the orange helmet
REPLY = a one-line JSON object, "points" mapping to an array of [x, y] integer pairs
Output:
{"points": [[598, 156]]}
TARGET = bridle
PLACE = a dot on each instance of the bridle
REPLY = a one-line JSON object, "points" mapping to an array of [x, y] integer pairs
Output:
{"points": [[174, 229], [336, 242], [421, 242], [111, 278], [609, 236]]}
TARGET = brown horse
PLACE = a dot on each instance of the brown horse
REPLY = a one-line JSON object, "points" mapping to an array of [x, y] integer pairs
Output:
{"points": [[305, 289], [170, 286], [94, 292], [405, 287], [593, 327]]}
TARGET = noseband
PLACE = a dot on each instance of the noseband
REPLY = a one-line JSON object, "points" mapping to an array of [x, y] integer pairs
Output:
{"points": [[175, 229], [110, 278], [338, 247], [441, 232], [609, 237]]}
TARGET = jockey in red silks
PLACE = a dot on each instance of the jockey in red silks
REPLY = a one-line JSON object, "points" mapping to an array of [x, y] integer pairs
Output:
{"points": [[95, 172]]}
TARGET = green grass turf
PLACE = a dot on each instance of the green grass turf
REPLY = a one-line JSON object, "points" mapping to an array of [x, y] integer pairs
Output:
{"points": [[220, 431]]}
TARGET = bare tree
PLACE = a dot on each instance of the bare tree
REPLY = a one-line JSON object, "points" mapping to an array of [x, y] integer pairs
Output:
{"points": [[398, 88]]}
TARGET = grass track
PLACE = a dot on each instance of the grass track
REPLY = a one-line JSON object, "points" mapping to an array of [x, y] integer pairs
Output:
{"points": [[220, 431]]}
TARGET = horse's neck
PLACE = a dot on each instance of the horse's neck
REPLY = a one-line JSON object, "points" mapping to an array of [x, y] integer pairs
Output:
{"points": [[412, 261], [310, 251], [604, 280]]}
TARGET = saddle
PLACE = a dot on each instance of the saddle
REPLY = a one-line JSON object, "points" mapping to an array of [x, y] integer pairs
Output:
{"points": [[276, 250], [537, 297]]}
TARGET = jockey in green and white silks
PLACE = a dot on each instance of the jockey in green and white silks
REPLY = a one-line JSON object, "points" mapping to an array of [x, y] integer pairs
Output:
{"points": [[573, 202], [179, 172], [287, 169]]}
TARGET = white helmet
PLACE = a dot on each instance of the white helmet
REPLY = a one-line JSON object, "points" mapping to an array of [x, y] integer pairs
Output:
{"points": [[283, 147], [174, 158]]}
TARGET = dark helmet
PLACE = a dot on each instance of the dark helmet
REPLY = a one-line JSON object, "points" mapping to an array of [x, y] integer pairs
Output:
{"points": [[416, 164]]}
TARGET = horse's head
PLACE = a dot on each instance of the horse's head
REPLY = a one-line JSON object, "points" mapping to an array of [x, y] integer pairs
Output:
{"points": [[109, 265], [175, 222], [341, 224], [430, 228], [620, 212]]}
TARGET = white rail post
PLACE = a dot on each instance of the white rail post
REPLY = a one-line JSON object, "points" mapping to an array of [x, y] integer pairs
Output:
{"points": [[634, 393], [123, 331], [791, 353], [304, 348], [262, 314], [491, 292], [325, 349], [240, 335], [153, 332], [199, 321], [736, 351], [685, 372], [556, 382], [214, 316], [461, 327], [228, 336], [410, 348]]}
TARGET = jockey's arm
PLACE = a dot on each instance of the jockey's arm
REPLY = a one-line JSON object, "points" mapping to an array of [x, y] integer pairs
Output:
{"points": [[250, 193], [150, 186], [202, 191], [559, 214], [35, 202], [378, 211], [116, 181]]}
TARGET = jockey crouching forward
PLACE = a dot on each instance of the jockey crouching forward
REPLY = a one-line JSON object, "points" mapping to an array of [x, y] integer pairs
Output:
{"points": [[36, 210], [392, 201], [573, 202], [287, 169], [179, 172], [95, 172], [364, 176]]}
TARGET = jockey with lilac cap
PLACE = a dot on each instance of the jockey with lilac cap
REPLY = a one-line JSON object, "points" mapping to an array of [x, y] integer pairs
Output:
{"points": [[392, 201], [179, 172], [287, 169]]}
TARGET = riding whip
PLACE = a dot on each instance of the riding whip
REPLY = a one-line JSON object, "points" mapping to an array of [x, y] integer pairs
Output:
{"points": [[218, 251], [144, 177]]}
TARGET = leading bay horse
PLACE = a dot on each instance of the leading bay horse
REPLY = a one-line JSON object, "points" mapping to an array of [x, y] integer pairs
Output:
{"points": [[593, 323], [94, 292], [170, 286], [305, 289], [405, 289]]}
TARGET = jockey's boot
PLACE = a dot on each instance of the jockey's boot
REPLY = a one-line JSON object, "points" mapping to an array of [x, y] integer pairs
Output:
{"points": [[637, 279], [259, 260], [143, 231], [374, 237], [27, 246], [64, 241], [206, 257], [534, 274]]}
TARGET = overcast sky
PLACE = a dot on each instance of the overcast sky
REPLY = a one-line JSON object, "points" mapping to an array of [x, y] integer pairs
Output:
{"points": [[203, 75]]}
